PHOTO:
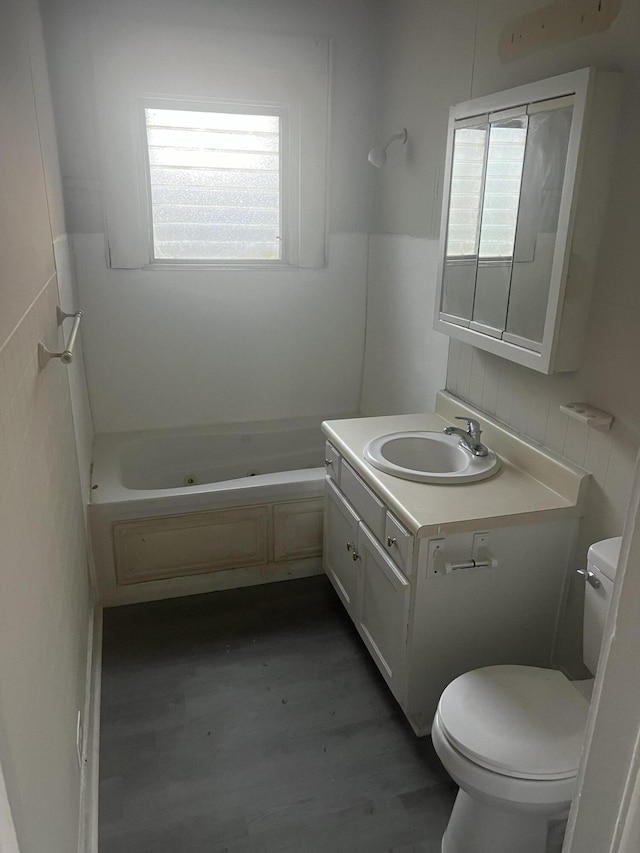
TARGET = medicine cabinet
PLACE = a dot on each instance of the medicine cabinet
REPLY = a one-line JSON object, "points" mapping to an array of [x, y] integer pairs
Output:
{"points": [[526, 181]]}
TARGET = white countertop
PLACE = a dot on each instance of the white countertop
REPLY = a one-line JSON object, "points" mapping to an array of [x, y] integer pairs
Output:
{"points": [[532, 485]]}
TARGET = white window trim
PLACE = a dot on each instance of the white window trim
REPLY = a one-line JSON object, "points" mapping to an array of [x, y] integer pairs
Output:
{"points": [[287, 203]]}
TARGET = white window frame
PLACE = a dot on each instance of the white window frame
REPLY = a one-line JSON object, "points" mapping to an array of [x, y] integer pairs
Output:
{"points": [[221, 106]]}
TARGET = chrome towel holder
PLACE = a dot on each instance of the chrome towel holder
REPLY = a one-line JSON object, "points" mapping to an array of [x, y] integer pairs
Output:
{"points": [[66, 356]]}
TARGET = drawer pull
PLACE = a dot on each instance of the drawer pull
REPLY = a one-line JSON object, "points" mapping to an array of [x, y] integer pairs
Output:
{"points": [[328, 462], [352, 548], [391, 540]]}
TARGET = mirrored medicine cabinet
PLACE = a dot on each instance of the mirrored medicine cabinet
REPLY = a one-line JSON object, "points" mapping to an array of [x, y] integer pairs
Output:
{"points": [[526, 181]]}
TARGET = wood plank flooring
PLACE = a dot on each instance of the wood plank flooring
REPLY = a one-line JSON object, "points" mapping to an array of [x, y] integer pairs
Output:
{"points": [[252, 721]]}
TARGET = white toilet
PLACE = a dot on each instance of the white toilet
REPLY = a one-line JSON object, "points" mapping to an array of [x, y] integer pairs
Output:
{"points": [[511, 737]]}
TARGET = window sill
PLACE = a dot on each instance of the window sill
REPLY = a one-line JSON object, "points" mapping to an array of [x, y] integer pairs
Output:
{"points": [[243, 266]]}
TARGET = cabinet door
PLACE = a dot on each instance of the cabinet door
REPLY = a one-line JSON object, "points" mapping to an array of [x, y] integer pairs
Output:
{"points": [[340, 542], [383, 610]]}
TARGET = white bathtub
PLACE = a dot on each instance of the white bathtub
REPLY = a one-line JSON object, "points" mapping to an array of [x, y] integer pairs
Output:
{"points": [[181, 512]]}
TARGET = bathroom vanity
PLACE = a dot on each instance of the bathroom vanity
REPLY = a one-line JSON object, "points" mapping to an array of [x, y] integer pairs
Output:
{"points": [[441, 579]]}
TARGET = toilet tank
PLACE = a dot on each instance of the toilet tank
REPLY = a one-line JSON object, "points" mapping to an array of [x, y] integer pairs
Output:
{"points": [[602, 561]]}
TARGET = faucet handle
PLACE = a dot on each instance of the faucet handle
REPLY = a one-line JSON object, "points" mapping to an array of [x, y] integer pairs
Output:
{"points": [[473, 427]]}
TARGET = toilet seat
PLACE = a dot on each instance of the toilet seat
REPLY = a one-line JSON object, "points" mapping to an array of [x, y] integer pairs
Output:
{"points": [[518, 721]]}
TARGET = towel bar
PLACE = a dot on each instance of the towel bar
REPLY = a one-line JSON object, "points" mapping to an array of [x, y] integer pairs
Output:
{"points": [[66, 356]]}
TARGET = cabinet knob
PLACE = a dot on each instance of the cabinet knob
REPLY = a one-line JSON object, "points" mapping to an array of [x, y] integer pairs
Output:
{"points": [[391, 541], [352, 549], [328, 462]]}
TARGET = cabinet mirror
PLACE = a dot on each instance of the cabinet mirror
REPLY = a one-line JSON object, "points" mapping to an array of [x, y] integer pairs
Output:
{"points": [[513, 161]]}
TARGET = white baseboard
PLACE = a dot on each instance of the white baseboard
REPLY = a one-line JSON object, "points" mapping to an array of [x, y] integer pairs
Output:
{"points": [[90, 772]]}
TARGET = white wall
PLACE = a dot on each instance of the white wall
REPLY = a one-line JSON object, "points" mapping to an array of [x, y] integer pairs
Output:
{"points": [[166, 349], [426, 65], [76, 373], [44, 590], [405, 361], [444, 52], [427, 60]]}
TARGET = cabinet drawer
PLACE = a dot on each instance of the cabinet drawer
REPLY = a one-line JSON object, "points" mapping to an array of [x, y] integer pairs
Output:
{"points": [[369, 508], [332, 462], [398, 543]]}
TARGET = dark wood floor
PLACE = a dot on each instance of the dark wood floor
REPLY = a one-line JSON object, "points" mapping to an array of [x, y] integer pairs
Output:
{"points": [[254, 720]]}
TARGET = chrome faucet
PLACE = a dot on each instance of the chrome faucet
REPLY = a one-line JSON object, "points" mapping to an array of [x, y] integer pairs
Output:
{"points": [[469, 438]]}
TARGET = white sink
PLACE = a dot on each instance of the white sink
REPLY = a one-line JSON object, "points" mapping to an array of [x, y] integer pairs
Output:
{"points": [[429, 457]]}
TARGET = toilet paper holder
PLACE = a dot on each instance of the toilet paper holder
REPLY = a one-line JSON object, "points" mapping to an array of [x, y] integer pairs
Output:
{"points": [[481, 557]]}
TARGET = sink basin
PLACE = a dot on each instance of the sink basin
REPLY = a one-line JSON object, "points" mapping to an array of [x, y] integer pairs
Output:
{"points": [[429, 457]]}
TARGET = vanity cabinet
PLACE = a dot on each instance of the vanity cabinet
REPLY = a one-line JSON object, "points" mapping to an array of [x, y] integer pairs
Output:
{"points": [[400, 558], [524, 196]]}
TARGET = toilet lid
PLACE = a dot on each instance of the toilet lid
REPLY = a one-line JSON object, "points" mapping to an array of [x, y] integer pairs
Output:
{"points": [[520, 721]]}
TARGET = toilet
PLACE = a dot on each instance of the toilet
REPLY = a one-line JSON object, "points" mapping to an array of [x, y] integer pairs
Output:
{"points": [[511, 736]]}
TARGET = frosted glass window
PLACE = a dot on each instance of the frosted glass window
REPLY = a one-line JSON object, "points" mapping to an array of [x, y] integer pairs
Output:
{"points": [[215, 185]]}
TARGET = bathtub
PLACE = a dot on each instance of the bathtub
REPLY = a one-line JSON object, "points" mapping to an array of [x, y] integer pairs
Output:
{"points": [[188, 511]]}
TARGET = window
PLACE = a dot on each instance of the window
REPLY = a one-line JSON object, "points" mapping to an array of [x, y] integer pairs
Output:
{"points": [[214, 184]]}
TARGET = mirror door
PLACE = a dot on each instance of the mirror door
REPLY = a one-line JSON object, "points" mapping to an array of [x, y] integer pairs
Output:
{"points": [[470, 144], [501, 199], [542, 182]]}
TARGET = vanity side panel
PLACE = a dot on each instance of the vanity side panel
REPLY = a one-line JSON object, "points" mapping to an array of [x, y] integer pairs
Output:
{"points": [[590, 219], [482, 617]]}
